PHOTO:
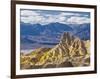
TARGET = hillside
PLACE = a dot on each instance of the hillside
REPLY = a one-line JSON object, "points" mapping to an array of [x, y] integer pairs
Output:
{"points": [[71, 51]]}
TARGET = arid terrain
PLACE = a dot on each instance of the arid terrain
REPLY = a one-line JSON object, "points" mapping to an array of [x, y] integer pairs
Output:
{"points": [[70, 52]]}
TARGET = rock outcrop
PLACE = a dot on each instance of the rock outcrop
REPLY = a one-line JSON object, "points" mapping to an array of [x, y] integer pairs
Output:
{"points": [[70, 52]]}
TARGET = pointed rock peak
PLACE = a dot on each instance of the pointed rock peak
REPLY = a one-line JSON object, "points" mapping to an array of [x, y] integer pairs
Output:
{"points": [[66, 37]]}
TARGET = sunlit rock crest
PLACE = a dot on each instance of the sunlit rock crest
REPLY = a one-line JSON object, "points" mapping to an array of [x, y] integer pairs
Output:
{"points": [[70, 52]]}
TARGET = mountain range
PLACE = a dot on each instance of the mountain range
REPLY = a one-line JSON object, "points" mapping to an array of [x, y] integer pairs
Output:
{"points": [[51, 33]]}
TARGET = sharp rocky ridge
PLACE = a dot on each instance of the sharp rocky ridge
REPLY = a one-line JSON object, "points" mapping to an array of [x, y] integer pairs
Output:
{"points": [[70, 52]]}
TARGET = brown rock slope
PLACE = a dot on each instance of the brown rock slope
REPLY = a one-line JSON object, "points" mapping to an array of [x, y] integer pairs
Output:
{"points": [[70, 52]]}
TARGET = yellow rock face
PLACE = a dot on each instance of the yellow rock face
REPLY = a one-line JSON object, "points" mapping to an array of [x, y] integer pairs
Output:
{"points": [[70, 52]]}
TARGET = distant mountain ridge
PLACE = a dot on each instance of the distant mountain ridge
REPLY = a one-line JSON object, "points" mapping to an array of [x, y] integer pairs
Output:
{"points": [[83, 31], [36, 29], [51, 33]]}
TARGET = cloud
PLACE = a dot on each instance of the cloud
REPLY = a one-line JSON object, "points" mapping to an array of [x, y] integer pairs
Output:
{"points": [[40, 17], [28, 13], [70, 14], [32, 19], [78, 20]]}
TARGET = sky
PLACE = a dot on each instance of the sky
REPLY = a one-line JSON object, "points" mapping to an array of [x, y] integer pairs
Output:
{"points": [[44, 17]]}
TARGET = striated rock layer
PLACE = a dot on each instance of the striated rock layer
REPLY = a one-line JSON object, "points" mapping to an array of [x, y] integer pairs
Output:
{"points": [[70, 52]]}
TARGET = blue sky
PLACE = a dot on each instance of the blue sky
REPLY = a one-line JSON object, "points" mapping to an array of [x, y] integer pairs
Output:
{"points": [[44, 17]]}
